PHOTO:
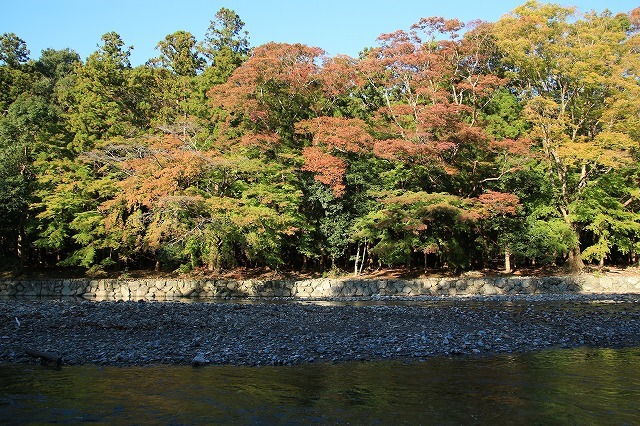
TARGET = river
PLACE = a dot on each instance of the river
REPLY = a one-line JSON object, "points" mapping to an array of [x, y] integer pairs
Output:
{"points": [[569, 386]]}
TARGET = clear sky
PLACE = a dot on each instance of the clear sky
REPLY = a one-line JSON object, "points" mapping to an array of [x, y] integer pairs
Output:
{"points": [[337, 26]]}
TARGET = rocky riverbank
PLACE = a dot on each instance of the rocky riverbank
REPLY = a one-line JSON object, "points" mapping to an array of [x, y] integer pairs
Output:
{"points": [[137, 333]]}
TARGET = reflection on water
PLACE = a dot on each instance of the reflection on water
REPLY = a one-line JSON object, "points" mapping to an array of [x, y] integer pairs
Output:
{"points": [[583, 386]]}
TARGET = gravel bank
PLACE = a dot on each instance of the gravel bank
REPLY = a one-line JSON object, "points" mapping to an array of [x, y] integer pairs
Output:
{"points": [[137, 333]]}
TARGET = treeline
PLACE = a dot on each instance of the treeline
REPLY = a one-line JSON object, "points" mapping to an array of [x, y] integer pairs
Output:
{"points": [[448, 145]]}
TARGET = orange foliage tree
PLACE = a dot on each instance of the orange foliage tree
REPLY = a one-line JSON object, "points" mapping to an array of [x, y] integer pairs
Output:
{"points": [[426, 83], [175, 203]]}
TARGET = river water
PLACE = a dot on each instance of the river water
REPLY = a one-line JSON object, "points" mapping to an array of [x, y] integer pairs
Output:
{"points": [[577, 386]]}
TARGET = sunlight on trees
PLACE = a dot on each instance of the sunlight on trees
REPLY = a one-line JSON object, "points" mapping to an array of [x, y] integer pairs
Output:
{"points": [[449, 145]]}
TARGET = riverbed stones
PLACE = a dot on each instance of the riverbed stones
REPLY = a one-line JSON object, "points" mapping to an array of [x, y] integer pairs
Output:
{"points": [[126, 333]]}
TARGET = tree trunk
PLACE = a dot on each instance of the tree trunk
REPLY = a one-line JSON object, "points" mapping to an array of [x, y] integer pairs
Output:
{"points": [[574, 262], [20, 252], [20, 245], [364, 256], [355, 268], [507, 260]]}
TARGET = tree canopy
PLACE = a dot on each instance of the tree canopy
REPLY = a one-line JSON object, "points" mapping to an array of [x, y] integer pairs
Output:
{"points": [[448, 145]]}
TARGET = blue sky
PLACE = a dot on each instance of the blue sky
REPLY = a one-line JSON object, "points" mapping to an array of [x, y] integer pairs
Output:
{"points": [[337, 26]]}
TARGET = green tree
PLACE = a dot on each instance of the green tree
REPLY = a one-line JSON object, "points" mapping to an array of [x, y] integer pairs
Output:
{"points": [[32, 129], [178, 53], [226, 44], [572, 74], [57, 64], [100, 105], [15, 75], [30, 126], [419, 223], [16, 183], [71, 228], [611, 224], [13, 50]]}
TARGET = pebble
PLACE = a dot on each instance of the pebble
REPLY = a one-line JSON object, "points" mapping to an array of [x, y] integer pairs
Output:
{"points": [[200, 333]]}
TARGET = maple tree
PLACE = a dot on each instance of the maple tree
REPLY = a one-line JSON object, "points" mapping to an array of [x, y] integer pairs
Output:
{"points": [[425, 116], [330, 137], [177, 204], [271, 91], [432, 225]]}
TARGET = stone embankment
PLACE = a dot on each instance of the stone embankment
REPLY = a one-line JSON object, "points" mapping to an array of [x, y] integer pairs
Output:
{"points": [[163, 289]]}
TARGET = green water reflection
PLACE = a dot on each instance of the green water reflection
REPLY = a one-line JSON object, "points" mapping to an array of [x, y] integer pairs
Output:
{"points": [[583, 386]]}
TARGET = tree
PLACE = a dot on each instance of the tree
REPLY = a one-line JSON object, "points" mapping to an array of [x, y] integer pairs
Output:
{"points": [[57, 64], [16, 185], [573, 76], [449, 145], [103, 103], [331, 136], [272, 91], [13, 50], [32, 130], [433, 86], [196, 67], [611, 224], [28, 132], [181, 89], [178, 53], [15, 76], [226, 44], [159, 198], [430, 224]]}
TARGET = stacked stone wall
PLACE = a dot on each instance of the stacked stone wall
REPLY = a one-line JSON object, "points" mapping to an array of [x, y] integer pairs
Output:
{"points": [[321, 288]]}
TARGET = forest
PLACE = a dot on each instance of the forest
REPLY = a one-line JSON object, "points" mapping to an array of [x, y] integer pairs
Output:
{"points": [[446, 146]]}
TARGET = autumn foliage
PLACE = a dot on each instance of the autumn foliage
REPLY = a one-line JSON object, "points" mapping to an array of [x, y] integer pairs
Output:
{"points": [[447, 145]]}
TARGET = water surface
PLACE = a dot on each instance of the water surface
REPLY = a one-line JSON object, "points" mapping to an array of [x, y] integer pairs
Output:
{"points": [[579, 386]]}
